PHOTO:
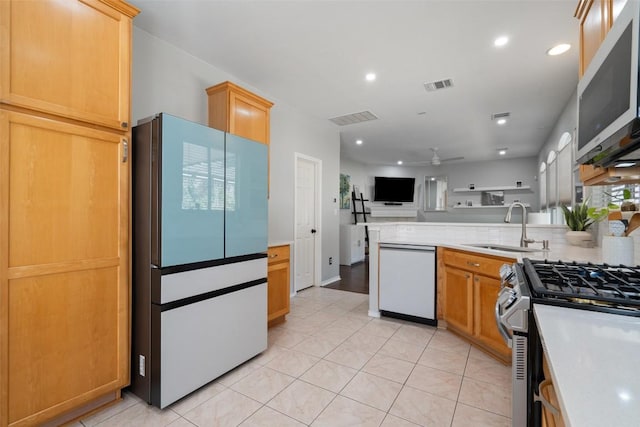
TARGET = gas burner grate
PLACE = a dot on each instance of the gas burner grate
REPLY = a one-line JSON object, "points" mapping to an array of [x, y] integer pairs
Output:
{"points": [[606, 285]]}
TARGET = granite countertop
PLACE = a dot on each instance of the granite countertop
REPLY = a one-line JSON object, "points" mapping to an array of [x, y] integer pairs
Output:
{"points": [[593, 358]]}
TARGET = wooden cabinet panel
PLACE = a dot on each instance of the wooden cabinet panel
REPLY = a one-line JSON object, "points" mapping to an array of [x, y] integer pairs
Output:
{"points": [[548, 392], [278, 254], [485, 264], [485, 296], [593, 27], [616, 7], [470, 283], [240, 112], [65, 197], [278, 289], [278, 292], [458, 310], [67, 192], [593, 175], [64, 207], [47, 370], [68, 58]]}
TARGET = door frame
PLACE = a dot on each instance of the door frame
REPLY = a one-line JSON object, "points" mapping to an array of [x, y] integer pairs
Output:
{"points": [[317, 249]]}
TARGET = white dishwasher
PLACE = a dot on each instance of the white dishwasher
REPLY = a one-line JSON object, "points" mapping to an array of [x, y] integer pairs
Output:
{"points": [[407, 281]]}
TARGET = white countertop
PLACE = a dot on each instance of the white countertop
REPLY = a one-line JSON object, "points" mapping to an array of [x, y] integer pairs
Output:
{"points": [[594, 360], [458, 235], [280, 243], [564, 253]]}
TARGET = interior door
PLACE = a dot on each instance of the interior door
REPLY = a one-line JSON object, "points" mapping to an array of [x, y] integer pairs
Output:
{"points": [[306, 229]]}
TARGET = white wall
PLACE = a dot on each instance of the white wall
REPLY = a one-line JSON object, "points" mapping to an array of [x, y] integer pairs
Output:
{"points": [[167, 79], [567, 122], [503, 172]]}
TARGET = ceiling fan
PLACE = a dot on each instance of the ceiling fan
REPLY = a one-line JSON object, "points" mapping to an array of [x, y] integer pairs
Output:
{"points": [[436, 160]]}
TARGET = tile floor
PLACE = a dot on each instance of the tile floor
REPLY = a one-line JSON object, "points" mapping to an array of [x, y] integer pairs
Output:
{"points": [[331, 365]]}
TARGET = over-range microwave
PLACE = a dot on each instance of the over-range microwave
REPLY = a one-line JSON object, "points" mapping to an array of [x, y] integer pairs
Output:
{"points": [[608, 115]]}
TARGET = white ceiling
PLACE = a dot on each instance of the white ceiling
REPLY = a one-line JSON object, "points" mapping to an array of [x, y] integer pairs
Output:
{"points": [[313, 55]]}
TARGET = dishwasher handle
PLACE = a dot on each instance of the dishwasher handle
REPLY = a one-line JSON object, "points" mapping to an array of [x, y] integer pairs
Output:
{"points": [[407, 247]]}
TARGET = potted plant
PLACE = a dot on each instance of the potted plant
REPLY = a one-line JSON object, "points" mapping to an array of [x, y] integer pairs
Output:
{"points": [[581, 217], [579, 221]]}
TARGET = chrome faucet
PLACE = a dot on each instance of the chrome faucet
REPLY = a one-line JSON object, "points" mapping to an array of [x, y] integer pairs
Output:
{"points": [[524, 241]]}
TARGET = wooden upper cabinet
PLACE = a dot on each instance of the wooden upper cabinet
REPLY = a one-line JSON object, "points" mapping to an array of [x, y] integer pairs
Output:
{"points": [[68, 58], [594, 175], [596, 18], [593, 28], [236, 110]]}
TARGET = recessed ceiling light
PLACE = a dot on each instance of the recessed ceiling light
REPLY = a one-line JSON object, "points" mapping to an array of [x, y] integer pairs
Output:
{"points": [[625, 164], [370, 77], [559, 49], [399, 162], [359, 141], [433, 178], [501, 121], [501, 41], [502, 151]]}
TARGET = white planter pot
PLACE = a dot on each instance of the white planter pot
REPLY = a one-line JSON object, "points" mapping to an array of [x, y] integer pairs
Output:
{"points": [[579, 238], [617, 250]]}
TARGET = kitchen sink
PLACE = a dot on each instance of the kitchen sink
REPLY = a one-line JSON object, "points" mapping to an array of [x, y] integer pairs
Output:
{"points": [[504, 248]]}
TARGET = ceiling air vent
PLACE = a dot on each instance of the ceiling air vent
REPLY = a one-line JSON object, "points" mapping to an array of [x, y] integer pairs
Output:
{"points": [[349, 119], [437, 85], [497, 116]]}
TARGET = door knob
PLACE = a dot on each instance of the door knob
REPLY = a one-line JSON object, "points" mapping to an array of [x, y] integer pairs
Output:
{"points": [[313, 231]]}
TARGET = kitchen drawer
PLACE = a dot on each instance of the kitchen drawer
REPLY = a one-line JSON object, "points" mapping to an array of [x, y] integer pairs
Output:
{"points": [[486, 265], [278, 253]]}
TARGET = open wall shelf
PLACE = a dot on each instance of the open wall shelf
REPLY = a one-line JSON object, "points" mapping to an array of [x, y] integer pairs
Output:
{"points": [[523, 188], [486, 207]]}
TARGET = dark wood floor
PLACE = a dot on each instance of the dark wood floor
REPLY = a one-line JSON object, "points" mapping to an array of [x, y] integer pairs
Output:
{"points": [[354, 278]]}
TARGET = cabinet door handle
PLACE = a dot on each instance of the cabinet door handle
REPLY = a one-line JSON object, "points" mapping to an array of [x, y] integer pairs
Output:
{"points": [[467, 276], [273, 255], [542, 399], [473, 264], [125, 150]]}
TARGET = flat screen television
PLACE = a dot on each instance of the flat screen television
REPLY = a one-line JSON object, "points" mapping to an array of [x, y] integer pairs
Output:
{"points": [[388, 189]]}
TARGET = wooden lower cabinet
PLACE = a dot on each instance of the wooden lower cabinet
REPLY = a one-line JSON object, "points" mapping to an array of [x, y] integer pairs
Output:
{"points": [[278, 290], [551, 413], [471, 283], [459, 301], [485, 294]]}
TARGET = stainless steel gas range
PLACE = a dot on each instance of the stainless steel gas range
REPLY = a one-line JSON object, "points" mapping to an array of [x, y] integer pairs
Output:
{"points": [[604, 288]]}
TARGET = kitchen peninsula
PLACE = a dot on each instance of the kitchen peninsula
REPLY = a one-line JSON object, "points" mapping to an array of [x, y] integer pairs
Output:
{"points": [[459, 235]]}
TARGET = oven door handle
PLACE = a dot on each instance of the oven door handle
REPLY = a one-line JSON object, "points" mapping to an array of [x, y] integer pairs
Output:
{"points": [[503, 331]]}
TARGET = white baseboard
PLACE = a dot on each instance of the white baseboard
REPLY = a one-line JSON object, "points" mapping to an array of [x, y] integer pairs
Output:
{"points": [[330, 281]]}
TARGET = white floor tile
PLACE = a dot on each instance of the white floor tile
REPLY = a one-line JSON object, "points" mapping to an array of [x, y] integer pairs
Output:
{"points": [[351, 370]]}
